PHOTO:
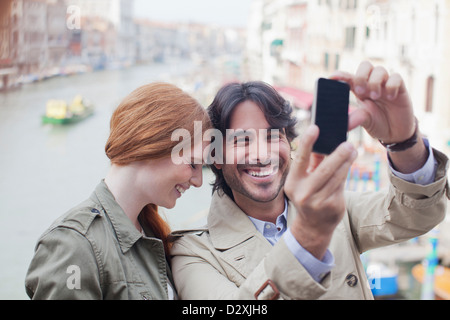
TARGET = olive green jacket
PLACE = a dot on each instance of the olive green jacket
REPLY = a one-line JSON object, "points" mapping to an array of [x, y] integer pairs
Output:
{"points": [[231, 259], [95, 252]]}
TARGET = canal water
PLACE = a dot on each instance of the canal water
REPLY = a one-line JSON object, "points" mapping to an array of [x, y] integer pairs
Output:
{"points": [[45, 170]]}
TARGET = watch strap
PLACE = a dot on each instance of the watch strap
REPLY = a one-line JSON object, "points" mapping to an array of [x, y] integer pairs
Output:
{"points": [[404, 145]]}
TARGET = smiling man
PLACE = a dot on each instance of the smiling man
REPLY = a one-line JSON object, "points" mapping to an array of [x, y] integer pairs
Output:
{"points": [[254, 177], [283, 228]]}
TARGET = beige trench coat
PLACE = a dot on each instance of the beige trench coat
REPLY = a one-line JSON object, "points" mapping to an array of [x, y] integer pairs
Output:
{"points": [[230, 259]]}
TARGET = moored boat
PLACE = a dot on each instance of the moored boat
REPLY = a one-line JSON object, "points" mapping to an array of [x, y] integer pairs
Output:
{"points": [[59, 112]]}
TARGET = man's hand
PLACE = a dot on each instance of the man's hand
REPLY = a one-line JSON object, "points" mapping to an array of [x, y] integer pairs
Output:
{"points": [[386, 112], [316, 188]]}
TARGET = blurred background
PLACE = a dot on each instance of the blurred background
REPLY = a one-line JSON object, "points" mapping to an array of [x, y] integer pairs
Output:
{"points": [[52, 51]]}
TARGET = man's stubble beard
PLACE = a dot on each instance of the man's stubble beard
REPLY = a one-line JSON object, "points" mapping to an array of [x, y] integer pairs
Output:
{"points": [[237, 187]]}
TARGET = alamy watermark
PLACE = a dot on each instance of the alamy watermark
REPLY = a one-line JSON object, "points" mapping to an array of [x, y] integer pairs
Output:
{"points": [[73, 19], [242, 146], [73, 281]]}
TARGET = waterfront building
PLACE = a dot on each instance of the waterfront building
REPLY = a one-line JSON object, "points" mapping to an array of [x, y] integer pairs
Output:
{"points": [[302, 40]]}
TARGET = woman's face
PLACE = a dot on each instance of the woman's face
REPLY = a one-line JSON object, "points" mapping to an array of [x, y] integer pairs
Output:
{"points": [[163, 182]]}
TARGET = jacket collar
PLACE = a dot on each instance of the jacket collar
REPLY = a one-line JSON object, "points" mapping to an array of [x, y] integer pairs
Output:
{"points": [[125, 231], [229, 226]]}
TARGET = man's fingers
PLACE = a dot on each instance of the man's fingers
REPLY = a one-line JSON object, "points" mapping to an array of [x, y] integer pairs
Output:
{"points": [[336, 163], [394, 85], [376, 82], [315, 160], [358, 117], [343, 76], [361, 77], [301, 162], [337, 182]]}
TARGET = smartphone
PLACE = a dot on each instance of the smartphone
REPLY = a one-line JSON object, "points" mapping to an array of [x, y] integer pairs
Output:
{"points": [[330, 114]]}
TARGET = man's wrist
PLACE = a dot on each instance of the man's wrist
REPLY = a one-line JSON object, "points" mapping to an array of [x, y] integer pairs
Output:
{"points": [[423, 176], [314, 241], [410, 160], [406, 144], [318, 269]]}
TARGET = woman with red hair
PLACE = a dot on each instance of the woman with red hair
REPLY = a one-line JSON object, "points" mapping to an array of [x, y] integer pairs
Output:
{"points": [[115, 245]]}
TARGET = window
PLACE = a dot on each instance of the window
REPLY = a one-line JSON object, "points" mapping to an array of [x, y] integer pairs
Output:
{"points": [[350, 33], [429, 95], [336, 62], [349, 4]]}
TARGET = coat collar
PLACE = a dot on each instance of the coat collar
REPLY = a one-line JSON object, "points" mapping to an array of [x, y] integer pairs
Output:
{"points": [[126, 233], [229, 226]]}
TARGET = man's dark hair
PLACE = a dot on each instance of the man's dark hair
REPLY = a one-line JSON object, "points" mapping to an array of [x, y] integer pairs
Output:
{"points": [[277, 111]]}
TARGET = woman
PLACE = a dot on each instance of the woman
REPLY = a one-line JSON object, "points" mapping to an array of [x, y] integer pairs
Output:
{"points": [[114, 245]]}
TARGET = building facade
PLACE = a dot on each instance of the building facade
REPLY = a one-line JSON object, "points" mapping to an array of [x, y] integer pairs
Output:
{"points": [[315, 37]]}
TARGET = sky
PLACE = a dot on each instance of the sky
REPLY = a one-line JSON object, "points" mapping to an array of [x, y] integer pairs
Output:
{"points": [[221, 12]]}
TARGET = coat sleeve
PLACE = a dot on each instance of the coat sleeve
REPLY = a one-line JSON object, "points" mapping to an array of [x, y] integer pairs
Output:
{"points": [[64, 267], [401, 212], [198, 275]]}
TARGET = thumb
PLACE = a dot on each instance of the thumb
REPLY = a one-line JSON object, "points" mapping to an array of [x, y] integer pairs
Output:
{"points": [[358, 117], [300, 165]]}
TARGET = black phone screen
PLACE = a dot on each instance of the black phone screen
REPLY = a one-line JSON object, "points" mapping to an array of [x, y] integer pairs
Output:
{"points": [[330, 114]]}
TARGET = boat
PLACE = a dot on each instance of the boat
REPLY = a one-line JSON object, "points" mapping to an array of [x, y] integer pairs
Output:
{"points": [[59, 112]]}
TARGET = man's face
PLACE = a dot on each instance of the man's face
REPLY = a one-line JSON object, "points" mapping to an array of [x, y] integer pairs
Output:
{"points": [[258, 176]]}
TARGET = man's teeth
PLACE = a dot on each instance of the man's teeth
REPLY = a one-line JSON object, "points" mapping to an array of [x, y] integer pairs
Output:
{"points": [[262, 173], [180, 189]]}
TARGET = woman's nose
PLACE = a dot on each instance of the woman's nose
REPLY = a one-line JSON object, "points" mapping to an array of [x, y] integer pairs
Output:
{"points": [[197, 177]]}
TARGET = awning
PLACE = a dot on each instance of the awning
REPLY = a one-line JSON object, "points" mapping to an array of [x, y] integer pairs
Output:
{"points": [[299, 98], [302, 99]]}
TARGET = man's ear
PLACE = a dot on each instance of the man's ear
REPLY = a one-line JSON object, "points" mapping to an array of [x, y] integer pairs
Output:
{"points": [[218, 166]]}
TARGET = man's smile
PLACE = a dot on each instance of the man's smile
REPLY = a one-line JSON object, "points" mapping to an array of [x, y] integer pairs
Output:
{"points": [[260, 174]]}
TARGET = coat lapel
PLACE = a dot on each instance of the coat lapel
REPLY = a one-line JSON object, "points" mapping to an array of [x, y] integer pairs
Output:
{"points": [[233, 234], [126, 233]]}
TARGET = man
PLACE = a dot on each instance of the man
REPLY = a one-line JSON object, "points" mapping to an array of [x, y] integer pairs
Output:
{"points": [[282, 228]]}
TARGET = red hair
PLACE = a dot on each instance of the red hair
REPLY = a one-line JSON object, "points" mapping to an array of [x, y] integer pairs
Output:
{"points": [[141, 129]]}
